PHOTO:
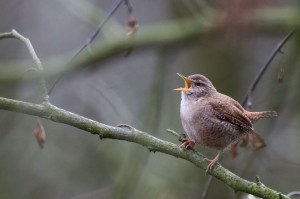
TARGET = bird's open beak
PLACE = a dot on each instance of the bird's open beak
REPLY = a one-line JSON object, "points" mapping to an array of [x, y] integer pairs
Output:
{"points": [[187, 83]]}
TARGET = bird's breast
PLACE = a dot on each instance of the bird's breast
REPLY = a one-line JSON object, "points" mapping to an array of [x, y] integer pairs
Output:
{"points": [[193, 116]]}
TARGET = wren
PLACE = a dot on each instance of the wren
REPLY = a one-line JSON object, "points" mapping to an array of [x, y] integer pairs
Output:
{"points": [[213, 119]]}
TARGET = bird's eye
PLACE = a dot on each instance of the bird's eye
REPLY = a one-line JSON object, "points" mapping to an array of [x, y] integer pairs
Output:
{"points": [[199, 84]]}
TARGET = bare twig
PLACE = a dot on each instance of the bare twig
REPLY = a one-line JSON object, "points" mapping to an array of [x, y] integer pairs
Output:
{"points": [[293, 193], [95, 34], [174, 133], [206, 187], [247, 102], [90, 40], [6, 35], [36, 60], [129, 6]]}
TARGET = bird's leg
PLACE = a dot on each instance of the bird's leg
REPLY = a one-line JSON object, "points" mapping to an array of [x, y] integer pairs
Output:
{"points": [[213, 162], [187, 143]]}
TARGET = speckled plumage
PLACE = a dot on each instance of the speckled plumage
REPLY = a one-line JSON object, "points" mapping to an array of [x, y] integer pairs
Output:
{"points": [[213, 119]]}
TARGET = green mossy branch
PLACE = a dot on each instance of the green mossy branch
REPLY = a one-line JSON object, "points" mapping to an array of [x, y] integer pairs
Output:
{"points": [[51, 112]]}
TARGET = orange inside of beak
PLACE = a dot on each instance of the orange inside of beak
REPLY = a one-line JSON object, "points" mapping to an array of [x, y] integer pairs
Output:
{"points": [[187, 82]]}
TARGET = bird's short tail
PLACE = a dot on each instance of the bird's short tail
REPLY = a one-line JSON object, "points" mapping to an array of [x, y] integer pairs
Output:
{"points": [[254, 116]]}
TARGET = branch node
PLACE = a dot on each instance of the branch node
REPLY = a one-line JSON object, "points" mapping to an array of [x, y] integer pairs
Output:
{"points": [[280, 195], [258, 182], [151, 149], [280, 51], [132, 129]]}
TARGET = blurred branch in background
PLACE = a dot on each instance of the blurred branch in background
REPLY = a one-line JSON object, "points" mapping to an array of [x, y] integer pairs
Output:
{"points": [[156, 35], [90, 39], [169, 33], [247, 102]]}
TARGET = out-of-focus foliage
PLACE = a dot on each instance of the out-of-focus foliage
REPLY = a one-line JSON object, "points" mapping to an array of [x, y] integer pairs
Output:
{"points": [[137, 90]]}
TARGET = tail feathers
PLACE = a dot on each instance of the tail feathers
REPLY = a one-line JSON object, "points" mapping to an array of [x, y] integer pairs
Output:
{"points": [[254, 116], [266, 114]]}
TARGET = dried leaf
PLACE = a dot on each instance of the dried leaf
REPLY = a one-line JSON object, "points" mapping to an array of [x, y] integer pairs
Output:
{"points": [[132, 29], [39, 134], [252, 140]]}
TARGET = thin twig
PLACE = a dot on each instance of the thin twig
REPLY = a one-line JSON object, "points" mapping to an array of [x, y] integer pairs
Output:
{"points": [[173, 133], [90, 39], [247, 102], [129, 6], [293, 193], [36, 60], [6, 35], [206, 187]]}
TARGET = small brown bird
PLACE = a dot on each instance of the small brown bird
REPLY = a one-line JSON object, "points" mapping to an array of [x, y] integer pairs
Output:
{"points": [[213, 119]]}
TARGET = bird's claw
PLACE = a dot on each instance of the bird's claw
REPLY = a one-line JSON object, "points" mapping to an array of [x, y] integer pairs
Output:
{"points": [[213, 162], [187, 144], [211, 165]]}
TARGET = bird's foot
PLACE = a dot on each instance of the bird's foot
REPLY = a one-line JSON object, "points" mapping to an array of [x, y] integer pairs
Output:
{"points": [[213, 162], [211, 165], [187, 144]]}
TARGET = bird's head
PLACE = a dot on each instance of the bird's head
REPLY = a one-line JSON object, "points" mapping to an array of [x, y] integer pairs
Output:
{"points": [[196, 86]]}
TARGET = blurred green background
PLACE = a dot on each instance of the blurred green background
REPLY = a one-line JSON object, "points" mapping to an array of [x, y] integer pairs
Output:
{"points": [[137, 90]]}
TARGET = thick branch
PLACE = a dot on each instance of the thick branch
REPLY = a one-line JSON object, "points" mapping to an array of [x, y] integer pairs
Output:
{"points": [[56, 114]]}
